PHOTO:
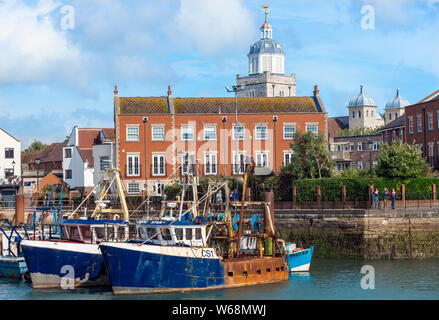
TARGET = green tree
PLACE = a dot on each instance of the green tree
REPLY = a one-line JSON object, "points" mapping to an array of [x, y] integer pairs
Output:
{"points": [[36, 146], [401, 160], [310, 157]]}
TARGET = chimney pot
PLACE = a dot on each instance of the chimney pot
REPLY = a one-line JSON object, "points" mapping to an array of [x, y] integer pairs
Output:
{"points": [[316, 90], [169, 91], [115, 90]]}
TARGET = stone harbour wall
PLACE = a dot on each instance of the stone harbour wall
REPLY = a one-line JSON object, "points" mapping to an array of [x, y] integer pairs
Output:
{"points": [[366, 234]]}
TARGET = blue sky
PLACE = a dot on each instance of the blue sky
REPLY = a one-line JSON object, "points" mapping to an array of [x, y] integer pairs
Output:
{"points": [[53, 77]]}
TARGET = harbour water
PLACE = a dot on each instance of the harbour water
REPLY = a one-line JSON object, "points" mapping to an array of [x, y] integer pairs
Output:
{"points": [[327, 279]]}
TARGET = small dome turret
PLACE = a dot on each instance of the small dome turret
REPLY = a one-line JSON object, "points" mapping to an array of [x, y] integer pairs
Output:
{"points": [[397, 102], [362, 99]]}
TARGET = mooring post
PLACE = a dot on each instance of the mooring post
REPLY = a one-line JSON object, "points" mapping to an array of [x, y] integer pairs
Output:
{"points": [[343, 195], [19, 208], [294, 197], [318, 196]]}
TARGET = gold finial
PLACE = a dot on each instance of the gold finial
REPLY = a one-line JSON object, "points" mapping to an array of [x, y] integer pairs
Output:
{"points": [[266, 9]]}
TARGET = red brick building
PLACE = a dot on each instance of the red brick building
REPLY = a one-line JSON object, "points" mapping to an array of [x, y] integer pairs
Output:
{"points": [[394, 130], [422, 127], [164, 127]]}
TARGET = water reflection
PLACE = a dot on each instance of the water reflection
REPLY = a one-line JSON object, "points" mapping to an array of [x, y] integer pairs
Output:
{"points": [[327, 279]]}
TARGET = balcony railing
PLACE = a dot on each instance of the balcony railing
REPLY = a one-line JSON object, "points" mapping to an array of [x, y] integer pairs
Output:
{"points": [[341, 155]]}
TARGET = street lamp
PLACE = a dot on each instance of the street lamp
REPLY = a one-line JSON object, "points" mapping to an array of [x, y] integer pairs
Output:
{"points": [[225, 147], [275, 153], [236, 89], [37, 161]]}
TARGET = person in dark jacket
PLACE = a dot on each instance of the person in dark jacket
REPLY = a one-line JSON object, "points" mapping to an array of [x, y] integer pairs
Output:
{"points": [[393, 195]]}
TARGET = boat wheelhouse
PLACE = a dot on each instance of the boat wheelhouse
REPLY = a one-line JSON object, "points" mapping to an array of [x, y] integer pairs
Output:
{"points": [[172, 232], [77, 249]]}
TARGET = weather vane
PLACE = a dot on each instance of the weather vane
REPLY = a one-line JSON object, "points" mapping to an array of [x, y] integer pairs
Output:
{"points": [[266, 8]]}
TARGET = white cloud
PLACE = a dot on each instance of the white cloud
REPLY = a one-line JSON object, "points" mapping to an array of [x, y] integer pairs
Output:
{"points": [[213, 26], [32, 50]]}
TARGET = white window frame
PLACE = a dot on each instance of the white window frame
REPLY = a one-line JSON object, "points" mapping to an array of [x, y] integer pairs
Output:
{"points": [[154, 134], [376, 145], [210, 164], [430, 121], [242, 134], [156, 159], [316, 125], [206, 137], [185, 131], [104, 163], [259, 157], [410, 125], [360, 165], [261, 134], [131, 134], [418, 123], [289, 135], [134, 172], [158, 188], [234, 163], [132, 184], [289, 156], [360, 146]]}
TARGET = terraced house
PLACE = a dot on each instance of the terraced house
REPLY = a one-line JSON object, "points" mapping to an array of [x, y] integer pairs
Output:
{"points": [[153, 133]]}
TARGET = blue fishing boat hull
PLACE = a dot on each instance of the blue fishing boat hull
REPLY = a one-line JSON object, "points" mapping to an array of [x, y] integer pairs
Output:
{"points": [[64, 265], [148, 269], [300, 261], [12, 267]]}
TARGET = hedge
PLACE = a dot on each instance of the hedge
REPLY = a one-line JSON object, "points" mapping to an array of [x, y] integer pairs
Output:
{"points": [[357, 189]]}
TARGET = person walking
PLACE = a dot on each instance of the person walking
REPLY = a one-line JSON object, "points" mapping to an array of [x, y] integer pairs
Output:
{"points": [[377, 198], [393, 194], [385, 197]]}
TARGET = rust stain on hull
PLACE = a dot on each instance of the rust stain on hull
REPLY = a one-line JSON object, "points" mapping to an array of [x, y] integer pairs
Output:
{"points": [[250, 271]]}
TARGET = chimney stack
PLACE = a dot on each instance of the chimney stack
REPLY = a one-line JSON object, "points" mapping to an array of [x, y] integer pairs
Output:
{"points": [[316, 90], [170, 100]]}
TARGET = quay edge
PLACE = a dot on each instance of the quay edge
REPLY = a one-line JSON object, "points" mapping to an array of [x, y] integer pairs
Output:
{"points": [[411, 233]]}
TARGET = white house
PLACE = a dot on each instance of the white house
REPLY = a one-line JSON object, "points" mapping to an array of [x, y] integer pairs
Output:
{"points": [[78, 162], [10, 156], [10, 167]]}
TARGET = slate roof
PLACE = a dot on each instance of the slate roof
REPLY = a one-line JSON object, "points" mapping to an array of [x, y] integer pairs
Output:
{"points": [[397, 123], [159, 105]]}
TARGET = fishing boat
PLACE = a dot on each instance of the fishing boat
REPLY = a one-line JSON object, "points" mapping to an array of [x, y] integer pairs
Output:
{"points": [[72, 257], [12, 263], [299, 259], [190, 251]]}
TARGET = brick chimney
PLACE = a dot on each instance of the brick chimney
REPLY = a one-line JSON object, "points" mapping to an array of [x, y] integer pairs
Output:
{"points": [[316, 90], [170, 101]]}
